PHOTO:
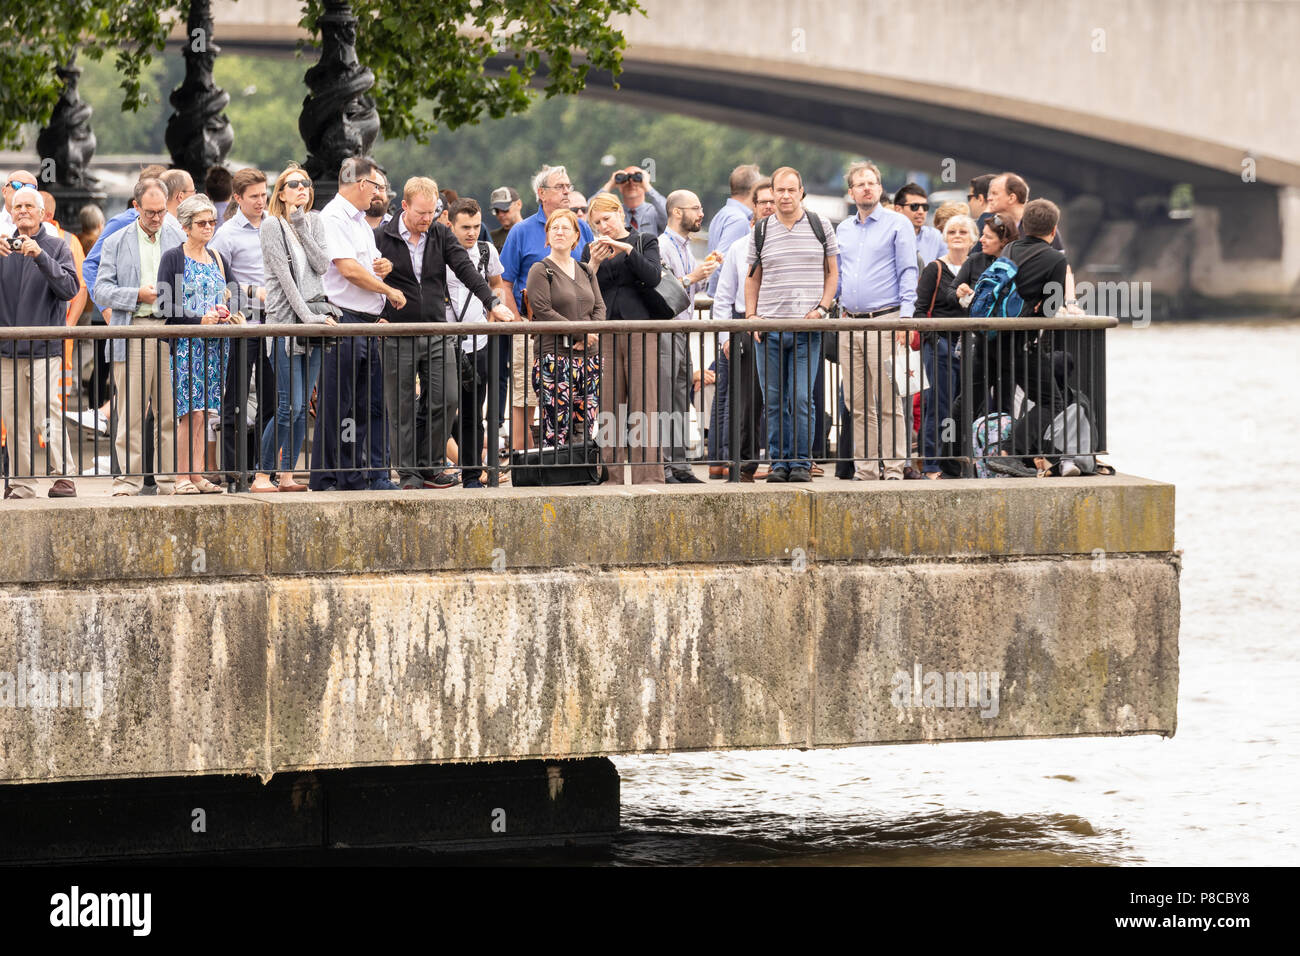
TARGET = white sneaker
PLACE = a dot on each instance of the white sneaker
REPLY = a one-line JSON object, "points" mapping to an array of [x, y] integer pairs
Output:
{"points": [[1069, 469]]}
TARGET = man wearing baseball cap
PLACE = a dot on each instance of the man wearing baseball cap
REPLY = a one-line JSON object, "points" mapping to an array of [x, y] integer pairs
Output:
{"points": [[507, 207]]}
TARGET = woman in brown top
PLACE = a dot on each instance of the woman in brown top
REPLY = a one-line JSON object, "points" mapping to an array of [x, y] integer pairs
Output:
{"points": [[566, 373]]}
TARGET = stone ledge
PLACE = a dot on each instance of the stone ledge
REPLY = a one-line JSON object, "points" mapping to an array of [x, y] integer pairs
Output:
{"points": [[156, 539]]}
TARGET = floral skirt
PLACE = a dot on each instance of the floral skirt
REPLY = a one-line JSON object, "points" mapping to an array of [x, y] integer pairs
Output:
{"points": [[198, 374], [567, 396]]}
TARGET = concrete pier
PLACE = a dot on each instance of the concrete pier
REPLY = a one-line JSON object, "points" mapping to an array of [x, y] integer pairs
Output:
{"points": [[256, 637]]}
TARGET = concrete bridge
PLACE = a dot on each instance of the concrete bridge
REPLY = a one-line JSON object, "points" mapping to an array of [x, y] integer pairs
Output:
{"points": [[1103, 106]]}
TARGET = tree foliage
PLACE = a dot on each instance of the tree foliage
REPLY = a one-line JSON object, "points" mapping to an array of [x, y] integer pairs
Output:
{"points": [[50, 32], [432, 74]]}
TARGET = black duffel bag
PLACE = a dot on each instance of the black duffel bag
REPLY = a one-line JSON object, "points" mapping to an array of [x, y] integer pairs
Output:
{"points": [[566, 465]]}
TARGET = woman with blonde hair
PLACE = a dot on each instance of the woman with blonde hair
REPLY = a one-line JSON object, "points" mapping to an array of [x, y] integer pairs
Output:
{"points": [[626, 264], [566, 372], [293, 249]]}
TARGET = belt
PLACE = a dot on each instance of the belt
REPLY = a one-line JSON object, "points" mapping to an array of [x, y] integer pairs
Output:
{"points": [[350, 316], [871, 315]]}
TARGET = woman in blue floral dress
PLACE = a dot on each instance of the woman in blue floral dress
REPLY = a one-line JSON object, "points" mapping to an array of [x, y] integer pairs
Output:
{"points": [[195, 279]]}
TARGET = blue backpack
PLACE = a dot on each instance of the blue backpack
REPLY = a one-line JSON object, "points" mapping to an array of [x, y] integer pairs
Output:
{"points": [[995, 291]]}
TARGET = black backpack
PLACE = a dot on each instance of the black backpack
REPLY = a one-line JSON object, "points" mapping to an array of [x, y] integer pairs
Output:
{"points": [[760, 234]]}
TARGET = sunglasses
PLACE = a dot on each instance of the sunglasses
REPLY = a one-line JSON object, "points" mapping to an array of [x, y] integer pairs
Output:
{"points": [[622, 178], [970, 197], [914, 206], [298, 184], [581, 209], [203, 223], [15, 184]]}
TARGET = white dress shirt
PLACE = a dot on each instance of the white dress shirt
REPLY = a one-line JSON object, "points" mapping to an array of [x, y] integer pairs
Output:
{"points": [[348, 236]]}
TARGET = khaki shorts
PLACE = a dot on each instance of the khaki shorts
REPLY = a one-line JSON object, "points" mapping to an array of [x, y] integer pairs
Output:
{"points": [[521, 377]]}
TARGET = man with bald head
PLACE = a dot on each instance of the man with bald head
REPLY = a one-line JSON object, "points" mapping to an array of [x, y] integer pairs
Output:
{"points": [[37, 279], [685, 216]]}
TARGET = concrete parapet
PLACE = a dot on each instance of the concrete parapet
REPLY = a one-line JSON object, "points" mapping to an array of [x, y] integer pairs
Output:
{"points": [[718, 618]]}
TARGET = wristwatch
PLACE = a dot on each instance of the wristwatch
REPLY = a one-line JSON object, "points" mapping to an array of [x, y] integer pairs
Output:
{"points": [[823, 310], [496, 301]]}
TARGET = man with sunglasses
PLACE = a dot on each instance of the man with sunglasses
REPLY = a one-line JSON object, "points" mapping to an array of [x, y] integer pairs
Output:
{"points": [[15, 181], [913, 203], [646, 209], [37, 280]]}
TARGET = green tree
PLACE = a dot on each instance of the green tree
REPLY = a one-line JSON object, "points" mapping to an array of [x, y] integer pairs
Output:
{"points": [[50, 33], [431, 74], [428, 74]]}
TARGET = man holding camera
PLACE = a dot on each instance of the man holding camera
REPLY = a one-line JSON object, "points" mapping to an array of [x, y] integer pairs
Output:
{"points": [[37, 280]]}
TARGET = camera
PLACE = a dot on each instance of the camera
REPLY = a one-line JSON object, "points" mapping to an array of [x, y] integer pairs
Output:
{"points": [[15, 243]]}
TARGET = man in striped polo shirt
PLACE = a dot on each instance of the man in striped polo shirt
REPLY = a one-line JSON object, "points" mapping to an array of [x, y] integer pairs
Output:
{"points": [[792, 276]]}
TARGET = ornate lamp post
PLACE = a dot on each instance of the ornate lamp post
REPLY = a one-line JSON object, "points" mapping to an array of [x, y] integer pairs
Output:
{"points": [[199, 133], [65, 146], [338, 117]]}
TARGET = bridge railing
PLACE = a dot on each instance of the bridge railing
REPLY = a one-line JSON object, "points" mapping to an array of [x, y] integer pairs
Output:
{"points": [[553, 402]]}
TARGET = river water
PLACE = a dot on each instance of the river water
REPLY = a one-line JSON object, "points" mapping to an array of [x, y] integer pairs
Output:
{"points": [[1211, 407]]}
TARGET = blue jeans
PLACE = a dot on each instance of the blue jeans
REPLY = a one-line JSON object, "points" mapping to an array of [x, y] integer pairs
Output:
{"points": [[943, 370], [288, 428], [787, 369]]}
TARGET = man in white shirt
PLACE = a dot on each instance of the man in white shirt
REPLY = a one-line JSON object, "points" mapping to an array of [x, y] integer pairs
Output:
{"points": [[348, 447], [464, 307]]}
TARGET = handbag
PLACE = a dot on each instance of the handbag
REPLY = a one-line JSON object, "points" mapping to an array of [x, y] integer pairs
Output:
{"points": [[669, 298], [558, 466], [318, 304]]}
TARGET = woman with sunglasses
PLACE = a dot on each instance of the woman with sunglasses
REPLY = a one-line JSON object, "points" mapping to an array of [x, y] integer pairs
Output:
{"points": [[293, 248], [197, 280]]}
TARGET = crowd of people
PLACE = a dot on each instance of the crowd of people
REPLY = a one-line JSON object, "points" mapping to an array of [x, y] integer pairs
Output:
{"points": [[252, 249]]}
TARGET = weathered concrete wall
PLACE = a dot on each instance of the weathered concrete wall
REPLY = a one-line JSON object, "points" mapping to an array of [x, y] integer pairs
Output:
{"points": [[540, 624]]}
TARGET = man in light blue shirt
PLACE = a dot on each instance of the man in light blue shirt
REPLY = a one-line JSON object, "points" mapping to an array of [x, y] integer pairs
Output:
{"points": [[733, 220], [877, 281]]}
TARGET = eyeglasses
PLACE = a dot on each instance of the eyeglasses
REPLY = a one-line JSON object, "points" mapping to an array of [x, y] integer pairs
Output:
{"points": [[153, 213], [378, 186], [622, 178], [561, 187], [298, 184], [914, 206], [204, 223]]}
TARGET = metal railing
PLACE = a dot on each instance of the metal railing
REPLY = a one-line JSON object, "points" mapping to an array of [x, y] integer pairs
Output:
{"points": [[990, 388]]}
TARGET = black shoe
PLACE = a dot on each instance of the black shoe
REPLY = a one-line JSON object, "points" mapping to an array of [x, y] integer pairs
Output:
{"points": [[1013, 467], [779, 474], [688, 478], [800, 474], [412, 483], [444, 479]]}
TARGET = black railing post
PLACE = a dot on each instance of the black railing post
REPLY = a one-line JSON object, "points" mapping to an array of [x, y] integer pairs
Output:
{"points": [[493, 410], [967, 405]]}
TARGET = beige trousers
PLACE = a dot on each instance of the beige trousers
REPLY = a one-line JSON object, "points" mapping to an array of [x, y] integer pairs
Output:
{"points": [[149, 363], [30, 405], [881, 426]]}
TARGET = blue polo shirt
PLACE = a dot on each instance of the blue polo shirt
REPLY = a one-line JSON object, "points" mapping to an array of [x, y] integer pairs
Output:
{"points": [[526, 244], [90, 268]]}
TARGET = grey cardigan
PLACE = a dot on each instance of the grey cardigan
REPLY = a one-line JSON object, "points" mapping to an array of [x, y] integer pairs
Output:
{"points": [[286, 302]]}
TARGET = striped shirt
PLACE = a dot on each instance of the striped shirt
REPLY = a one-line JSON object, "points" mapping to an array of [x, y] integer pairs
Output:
{"points": [[794, 267]]}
